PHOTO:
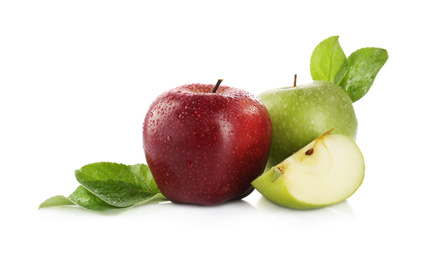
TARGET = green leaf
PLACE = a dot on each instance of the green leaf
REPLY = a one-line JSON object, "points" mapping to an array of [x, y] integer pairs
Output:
{"points": [[58, 200], [116, 184], [110, 188], [364, 65], [328, 61], [82, 197]]}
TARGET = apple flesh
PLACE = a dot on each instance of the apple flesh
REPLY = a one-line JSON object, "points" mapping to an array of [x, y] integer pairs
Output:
{"points": [[300, 114], [206, 148], [326, 171]]}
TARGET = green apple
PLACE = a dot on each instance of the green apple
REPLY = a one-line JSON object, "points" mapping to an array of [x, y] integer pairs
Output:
{"points": [[300, 114], [326, 171]]}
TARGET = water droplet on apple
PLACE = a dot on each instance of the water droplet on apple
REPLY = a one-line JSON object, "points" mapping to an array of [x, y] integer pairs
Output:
{"points": [[189, 164], [169, 138]]}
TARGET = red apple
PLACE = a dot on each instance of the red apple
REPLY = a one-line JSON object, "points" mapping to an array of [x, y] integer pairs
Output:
{"points": [[206, 148]]}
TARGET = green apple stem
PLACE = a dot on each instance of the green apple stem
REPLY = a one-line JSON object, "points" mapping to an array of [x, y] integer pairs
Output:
{"points": [[295, 80], [217, 85]]}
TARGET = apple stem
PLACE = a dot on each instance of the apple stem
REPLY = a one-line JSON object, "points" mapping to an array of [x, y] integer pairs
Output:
{"points": [[295, 80], [217, 85]]}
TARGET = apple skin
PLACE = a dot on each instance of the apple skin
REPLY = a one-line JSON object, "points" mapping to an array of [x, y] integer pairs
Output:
{"points": [[301, 114], [206, 148]]}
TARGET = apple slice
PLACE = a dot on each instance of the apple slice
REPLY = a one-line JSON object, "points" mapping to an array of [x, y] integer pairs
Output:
{"points": [[326, 171]]}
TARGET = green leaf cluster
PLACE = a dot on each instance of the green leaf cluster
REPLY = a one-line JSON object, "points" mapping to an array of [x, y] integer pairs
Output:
{"points": [[110, 188], [354, 74]]}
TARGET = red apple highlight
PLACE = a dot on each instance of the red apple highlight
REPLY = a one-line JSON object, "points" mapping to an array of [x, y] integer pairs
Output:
{"points": [[206, 148]]}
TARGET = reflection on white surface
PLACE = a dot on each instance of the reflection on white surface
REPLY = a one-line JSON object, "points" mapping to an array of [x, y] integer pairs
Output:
{"points": [[314, 218], [343, 209], [252, 208]]}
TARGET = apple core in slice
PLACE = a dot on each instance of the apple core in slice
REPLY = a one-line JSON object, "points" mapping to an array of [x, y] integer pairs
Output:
{"points": [[326, 171]]}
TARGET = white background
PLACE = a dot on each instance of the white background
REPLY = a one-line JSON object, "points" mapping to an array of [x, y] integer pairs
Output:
{"points": [[76, 80]]}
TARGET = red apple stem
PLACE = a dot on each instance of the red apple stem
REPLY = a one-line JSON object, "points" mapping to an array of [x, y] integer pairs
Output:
{"points": [[217, 85], [295, 80]]}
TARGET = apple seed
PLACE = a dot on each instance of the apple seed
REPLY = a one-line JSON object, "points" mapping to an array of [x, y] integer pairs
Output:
{"points": [[310, 151]]}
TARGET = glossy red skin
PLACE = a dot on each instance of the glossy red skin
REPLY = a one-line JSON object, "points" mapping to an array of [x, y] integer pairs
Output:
{"points": [[205, 148]]}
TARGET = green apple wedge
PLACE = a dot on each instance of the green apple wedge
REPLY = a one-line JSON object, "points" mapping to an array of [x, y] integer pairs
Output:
{"points": [[326, 171], [301, 113]]}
